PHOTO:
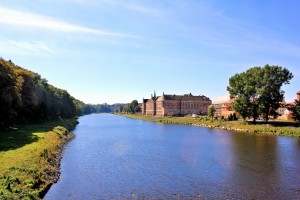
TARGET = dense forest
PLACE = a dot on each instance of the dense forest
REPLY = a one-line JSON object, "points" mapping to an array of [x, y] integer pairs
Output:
{"points": [[27, 97]]}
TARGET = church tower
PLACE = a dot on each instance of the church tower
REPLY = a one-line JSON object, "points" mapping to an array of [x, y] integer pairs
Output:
{"points": [[154, 103]]}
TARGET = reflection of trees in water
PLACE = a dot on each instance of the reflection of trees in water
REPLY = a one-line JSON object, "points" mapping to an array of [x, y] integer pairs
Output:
{"points": [[256, 172], [298, 142]]}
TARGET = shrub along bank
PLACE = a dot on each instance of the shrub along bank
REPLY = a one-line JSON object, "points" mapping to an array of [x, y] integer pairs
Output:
{"points": [[30, 157], [274, 128]]}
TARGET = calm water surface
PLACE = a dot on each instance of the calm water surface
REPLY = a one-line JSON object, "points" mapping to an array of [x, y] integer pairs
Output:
{"points": [[113, 157]]}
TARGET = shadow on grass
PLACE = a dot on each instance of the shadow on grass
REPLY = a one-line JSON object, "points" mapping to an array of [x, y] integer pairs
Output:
{"points": [[10, 140], [276, 123], [23, 135]]}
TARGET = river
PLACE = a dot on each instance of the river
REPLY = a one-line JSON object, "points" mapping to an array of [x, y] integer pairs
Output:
{"points": [[114, 157]]}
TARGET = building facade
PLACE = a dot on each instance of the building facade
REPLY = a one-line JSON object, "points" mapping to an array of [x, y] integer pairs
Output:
{"points": [[170, 105], [223, 106], [284, 112]]}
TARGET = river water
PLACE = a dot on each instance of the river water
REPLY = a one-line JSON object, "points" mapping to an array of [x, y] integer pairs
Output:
{"points": [[114, 157]]}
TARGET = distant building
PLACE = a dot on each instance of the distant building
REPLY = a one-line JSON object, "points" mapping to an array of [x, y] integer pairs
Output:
{"points": [[223, 106], [170, 105], [283, 110]]}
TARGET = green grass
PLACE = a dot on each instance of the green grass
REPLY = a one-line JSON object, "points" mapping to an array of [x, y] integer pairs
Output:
{"points": [[273, 127], [29, 158]]}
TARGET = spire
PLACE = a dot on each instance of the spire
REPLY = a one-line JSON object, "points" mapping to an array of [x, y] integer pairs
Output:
{"points": [[154, 94]]}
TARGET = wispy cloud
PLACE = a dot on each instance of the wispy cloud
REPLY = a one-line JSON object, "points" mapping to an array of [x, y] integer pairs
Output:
{"points": [[128, 5], [25, 47], [141, 9], [238, 36], [19, 18]]}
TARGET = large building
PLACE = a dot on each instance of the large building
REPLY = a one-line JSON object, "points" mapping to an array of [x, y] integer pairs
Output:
{"points": [[223, 106], [284, 112], [170, 105]]}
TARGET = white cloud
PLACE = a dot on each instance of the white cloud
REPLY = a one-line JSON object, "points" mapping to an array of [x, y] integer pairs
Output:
{"points": [[18, 18]]}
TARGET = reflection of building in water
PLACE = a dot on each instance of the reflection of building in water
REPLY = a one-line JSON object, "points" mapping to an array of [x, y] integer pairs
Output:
{"points": [[169, 105]]}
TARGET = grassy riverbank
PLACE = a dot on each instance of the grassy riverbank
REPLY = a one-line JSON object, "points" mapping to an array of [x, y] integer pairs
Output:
{"points": [[30, 156], [275, 128]]}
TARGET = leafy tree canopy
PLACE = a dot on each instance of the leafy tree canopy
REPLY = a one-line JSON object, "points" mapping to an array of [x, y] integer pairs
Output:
{"points": [[132, 107], [258, 90], [211, 111]]}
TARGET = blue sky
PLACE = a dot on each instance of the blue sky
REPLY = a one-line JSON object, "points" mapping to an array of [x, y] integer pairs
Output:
{"points": [[119, 50]]}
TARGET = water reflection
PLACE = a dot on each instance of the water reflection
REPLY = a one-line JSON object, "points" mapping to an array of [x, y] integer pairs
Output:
{"points": [[255, 171], [116, 158]]}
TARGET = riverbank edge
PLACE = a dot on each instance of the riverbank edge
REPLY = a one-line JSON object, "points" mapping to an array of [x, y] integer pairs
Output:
{"points": [[56, 160], [47, 158], [240, 127]]}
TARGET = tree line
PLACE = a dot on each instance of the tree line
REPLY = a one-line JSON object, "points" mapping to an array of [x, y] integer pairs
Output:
{"points": [[132, 107], [27, 97]]}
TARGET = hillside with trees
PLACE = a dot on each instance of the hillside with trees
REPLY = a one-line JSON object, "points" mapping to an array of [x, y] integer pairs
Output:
{"points": [[27, 97]]}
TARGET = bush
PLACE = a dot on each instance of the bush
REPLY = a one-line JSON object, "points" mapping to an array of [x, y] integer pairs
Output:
{"points": [[230, 117], [234, 117]]}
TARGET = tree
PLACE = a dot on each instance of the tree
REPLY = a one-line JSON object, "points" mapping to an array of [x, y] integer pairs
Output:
{"points": [[10, 88], [270, 93], [234, 117], [132, 107], [296, 111], [26, 97], [242, 105], [119, 109], [230, 117], [258, 90], [137, 109], [134, 103], [211, 111], [242, 87], [128, 108]]}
